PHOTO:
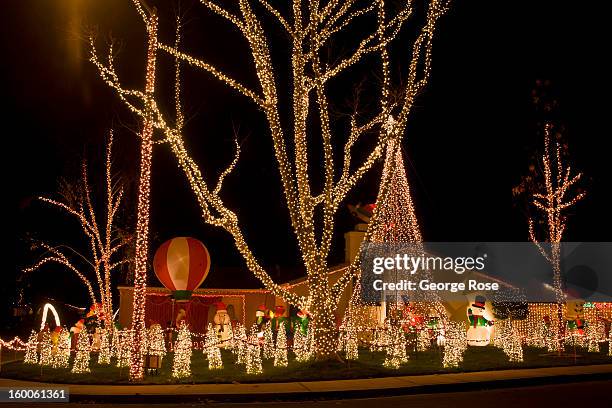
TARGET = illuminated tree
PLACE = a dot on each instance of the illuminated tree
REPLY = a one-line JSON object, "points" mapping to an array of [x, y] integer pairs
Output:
{"points": [[253, 360], [280, 353], [105, 239], [104, 355], [311, 30], [46, 348], [156, 342], [455, 344], [62, 355], [268, 345], [551, 194], [83, 348], [31, 355], [211, 348], [240, 346], [181, 366]]}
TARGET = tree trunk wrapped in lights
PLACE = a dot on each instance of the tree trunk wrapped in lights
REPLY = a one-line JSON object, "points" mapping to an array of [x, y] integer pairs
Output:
{"points": [[311, 31], [83, 348], [105, 239], [550, 194], [280, 352]]}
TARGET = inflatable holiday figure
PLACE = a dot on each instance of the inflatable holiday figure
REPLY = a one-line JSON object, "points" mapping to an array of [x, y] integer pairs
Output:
{"points": [[261, 317], [301, 322], [222, 322], [574, 315], [480, 319]]}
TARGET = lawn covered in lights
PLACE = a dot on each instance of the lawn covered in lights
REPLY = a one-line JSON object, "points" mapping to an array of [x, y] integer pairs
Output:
{"points": [[369, 365]]}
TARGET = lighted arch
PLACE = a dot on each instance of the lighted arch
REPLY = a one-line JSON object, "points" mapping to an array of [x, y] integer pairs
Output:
{"points": [[49, 306]]}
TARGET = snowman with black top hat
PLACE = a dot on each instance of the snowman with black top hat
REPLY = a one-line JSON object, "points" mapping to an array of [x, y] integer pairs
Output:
{"points": [[480, 319]]}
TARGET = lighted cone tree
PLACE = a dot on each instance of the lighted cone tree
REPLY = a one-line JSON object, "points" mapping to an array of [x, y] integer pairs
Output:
{"points": [[156, 341], [62, 356], [211, 348], [46, 348], [83, 348], [268, 345], [280, 352], [311, 29], [455, 344], [551, 193], [104, 355], [240, 347], [105, 239], [181, 366], [253, 361], [31, 355]]}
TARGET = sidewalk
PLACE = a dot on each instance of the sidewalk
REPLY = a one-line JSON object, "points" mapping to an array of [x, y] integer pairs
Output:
{"points": [[327, 389]]}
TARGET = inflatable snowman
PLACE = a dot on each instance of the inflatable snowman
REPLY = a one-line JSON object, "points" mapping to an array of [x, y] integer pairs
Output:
{"points": [[222, 322], [481, 322]]}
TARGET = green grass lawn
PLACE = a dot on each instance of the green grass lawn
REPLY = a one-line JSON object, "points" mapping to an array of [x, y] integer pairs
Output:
{"points": [[369, 365]]}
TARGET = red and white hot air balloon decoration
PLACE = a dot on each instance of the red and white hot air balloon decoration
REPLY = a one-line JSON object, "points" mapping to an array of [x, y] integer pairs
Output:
{"points": [[181, 265]]}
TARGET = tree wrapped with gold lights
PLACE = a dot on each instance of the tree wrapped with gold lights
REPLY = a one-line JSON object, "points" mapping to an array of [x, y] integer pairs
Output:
{"points": [[311, 29], [104, 354], [124, 344], [240, 344], [156, 342], [31, 355], [46, 348], [105, 239], [551, 194], [280, 352], [253, 360], [83, 348], [181, 366], [300, 346], [62, 356], [455, 343], [211, 348], [268, 345]]}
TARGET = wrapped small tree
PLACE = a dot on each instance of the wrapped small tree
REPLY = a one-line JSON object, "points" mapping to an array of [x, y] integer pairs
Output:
{"points": [[156, 342], [211, 347], [455, 344], [280, 355], [395, 348], [62, 356], [104, 356], [240, 345], [181, 366], [83, 348], [268, 345], [31, 355], [512, 343], [253, 363], [124, 344], [46, 348], [300, 346]]}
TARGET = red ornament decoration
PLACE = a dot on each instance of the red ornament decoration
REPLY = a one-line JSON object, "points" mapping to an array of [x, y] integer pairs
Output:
{"points": [[181, 265]]}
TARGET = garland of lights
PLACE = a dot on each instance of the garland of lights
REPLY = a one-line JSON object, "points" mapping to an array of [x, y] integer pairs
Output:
{"points": [[311, 28]]}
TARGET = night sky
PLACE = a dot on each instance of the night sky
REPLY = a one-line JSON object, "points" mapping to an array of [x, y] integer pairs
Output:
{"points": [[468, 142]]}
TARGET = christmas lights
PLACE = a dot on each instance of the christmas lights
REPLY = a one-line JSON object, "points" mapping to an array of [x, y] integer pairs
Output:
{"points": [[31, 355], [62, 355], [550, 199], [311, 29], [268, 344], [104, 354], [83, 348], [253, 360], [105, 242], [46, 347], [280, 353], [181, 366], [156, 342], [455, 344], [211, 348]]}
